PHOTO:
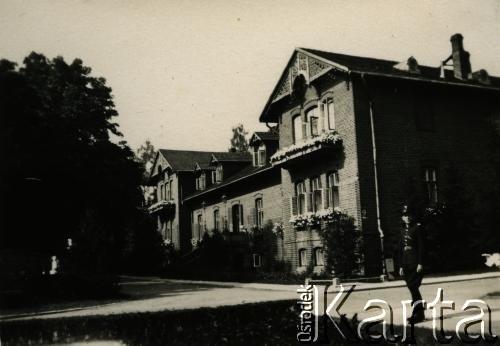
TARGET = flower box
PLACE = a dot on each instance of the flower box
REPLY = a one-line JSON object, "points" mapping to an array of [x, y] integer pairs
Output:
{"points": [[329, 140], [313, 219], [161, 205]]}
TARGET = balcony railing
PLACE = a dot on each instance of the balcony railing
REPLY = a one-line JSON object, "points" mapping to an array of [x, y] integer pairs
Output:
{"points": [[328, 140], [161, 205]]}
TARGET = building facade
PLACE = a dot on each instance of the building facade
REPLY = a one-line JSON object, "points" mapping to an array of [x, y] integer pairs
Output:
{"points": [[358, 134]]}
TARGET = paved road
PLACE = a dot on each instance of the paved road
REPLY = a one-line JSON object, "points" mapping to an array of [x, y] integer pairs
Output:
{"points": [[157, 295]]}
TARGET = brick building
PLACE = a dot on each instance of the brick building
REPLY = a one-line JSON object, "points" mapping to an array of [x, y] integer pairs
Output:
{"points": [[360, 134]]}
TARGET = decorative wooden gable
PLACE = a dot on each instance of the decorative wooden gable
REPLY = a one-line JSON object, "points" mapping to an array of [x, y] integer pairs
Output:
{"points": [[301, 63], [160, 165]]}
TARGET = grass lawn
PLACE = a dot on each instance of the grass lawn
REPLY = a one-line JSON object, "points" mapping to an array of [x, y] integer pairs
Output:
{"points": [[271, 323]]}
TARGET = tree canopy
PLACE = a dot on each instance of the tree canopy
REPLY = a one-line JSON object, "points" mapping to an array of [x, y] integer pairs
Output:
{"points": [[239, 142], [62, 176]]}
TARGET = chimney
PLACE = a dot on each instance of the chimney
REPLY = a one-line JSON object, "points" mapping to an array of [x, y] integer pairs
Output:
{"points": [[461, 61]]}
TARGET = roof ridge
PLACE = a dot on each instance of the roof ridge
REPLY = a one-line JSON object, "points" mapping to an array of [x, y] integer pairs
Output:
{"points": [[312, 50]]}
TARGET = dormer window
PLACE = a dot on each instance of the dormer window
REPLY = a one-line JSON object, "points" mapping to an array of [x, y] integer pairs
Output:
{"points": [[259, 156], [218, 174], [201, 181]]}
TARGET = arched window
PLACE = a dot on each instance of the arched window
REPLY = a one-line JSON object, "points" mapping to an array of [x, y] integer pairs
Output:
{"points": [[298, 136], [302, 257], [216, 220], [259, 213], [318, 257]]}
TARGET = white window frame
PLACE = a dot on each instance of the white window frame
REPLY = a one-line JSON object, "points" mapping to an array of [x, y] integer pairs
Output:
{"points": [[297, 128], [328, 108], [316, 188], [259, 212], [300, 192], [302, 257], [261, 155], [332, 183]]}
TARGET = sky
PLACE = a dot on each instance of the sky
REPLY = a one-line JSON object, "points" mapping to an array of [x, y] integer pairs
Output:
{"points": [[184, 72]]}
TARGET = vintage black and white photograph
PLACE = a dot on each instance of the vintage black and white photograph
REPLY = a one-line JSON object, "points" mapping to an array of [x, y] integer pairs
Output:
{"points": [[186, 172]]}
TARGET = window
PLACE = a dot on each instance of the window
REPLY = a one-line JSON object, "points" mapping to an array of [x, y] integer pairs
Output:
{"points": [[314, 126], [168, 195], [259, 155], [161, 192], [312, 119], [430, 184], [297, 129], [318, 257], [259, 212], [216, 220], [237, 217], [218, 174], [317, 192], [300, 192], [257, 260], [201, 181], [199, 226], [333, 189], [302, 257], [214, 177], [262, 155], [329, 113]]}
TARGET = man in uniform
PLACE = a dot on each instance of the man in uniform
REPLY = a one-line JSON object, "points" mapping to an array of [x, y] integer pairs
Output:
{"points": [[411, 248]]}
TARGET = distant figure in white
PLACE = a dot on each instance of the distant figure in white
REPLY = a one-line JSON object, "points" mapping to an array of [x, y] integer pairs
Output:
{"points": [[492, 260], [54, 264]]}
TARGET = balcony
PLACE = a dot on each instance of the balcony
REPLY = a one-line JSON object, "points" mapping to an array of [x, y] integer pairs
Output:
{"points": [[313, 147], [162, 206], [310, 220]]}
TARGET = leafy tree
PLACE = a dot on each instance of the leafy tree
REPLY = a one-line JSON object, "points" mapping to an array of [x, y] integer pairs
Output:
{"points": [[239, 142], [146, 155], [61, 176]]}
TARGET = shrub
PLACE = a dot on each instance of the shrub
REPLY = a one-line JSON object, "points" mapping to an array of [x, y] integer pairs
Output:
{"points": [[342, 243]]}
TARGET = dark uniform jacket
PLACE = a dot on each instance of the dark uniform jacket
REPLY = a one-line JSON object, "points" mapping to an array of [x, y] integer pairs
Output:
{"points": [[411, 246]]}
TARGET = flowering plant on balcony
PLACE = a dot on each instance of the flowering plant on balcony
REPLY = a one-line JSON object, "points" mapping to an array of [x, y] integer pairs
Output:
{"points": [[160, 205], [330, 215], [331, 138], [309, 219]]}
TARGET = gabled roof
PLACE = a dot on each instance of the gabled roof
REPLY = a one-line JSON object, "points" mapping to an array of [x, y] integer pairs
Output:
{"points": [[231, 157], [203, 166], [184, 160], [264, 136], [316, 63]]}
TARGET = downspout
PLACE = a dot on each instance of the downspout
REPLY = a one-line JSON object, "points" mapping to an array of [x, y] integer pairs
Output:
{"points": [[375, 174]]}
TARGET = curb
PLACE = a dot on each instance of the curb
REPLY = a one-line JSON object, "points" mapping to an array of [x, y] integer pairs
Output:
{"points": [[360, 286]]}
